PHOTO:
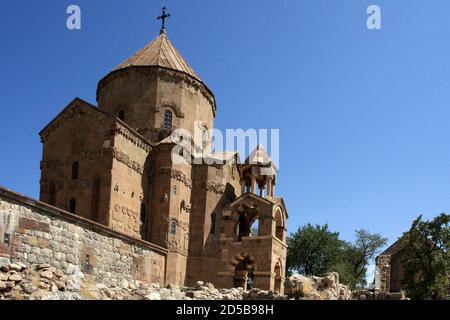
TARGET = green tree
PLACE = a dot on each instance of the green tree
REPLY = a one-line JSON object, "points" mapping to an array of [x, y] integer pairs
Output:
{"points": [[425, 258], [312, 250], [355, 257]]}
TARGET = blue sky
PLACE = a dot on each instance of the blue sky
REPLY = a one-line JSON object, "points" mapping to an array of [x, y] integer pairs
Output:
{"points": [[363, 115]]}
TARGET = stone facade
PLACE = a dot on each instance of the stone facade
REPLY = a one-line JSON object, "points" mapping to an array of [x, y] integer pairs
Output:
{"points": [[388, 270], [35, 233], [114, 165]]}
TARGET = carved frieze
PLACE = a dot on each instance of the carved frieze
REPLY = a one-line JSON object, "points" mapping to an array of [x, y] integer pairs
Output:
{"points": [[176, 175], [132, 137]]}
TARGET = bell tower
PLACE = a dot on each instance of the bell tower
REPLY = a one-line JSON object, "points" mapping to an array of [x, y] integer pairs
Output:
{"points": [[253, 238]]}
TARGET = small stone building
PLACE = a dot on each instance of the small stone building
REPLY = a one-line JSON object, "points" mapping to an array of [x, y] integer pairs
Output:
{"points": [[112, 164], [388, 269]]}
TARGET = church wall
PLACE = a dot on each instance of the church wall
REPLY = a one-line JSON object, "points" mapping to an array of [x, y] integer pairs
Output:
{"points": [[81, 139], [214, 188], [171, 205], [130, 188], [35, 233]]}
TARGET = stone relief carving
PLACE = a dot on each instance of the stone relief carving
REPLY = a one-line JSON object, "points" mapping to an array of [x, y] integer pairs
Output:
{"points": [[125, 220], [125, 159], [176, 175]]}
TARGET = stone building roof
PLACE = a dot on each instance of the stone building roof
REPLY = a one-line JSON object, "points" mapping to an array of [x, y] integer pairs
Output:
{"points": [[160, 52]]}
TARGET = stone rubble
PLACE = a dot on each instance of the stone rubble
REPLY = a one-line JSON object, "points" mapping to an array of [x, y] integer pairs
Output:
{"points": [[19, 281], [316, 288]]}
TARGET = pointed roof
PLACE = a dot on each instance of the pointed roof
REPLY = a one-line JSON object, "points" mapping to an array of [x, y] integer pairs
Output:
{"points": [[160, 52]]}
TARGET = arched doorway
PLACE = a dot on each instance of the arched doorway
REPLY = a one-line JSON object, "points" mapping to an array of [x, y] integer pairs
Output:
{"points": [[243, 274], [278, 279]]}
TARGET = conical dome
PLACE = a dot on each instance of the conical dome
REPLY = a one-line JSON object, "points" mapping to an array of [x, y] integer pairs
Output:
{"points": [[160, 52]]}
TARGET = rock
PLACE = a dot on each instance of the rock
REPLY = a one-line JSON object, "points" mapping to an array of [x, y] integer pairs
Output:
{"points": [[4, 262], [2, 286], [3, 277], [15, 267], [10, 284], [42, 266], [299, 286], [199, 284], [15, 277], [59, 274], [396, 296], [60, 285], [153, 296], [22, 265], [195, 294], [44, 286], [329, 281], [28, 287], [46, 274]]}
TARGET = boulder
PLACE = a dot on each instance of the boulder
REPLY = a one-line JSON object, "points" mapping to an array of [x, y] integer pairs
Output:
{"points": [[15, 277], [15, 267], [46, 274]]}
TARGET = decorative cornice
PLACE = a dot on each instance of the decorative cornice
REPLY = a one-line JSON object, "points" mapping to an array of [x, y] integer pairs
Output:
{"points": [[125, 159], [132, 137], [176, 175], [217, 188]]}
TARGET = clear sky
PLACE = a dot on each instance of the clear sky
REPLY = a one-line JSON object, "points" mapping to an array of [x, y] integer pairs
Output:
{"points": [[363, 115]]}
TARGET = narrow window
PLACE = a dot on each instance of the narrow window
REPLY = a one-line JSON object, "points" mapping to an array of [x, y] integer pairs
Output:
{"points": [[173, 228], [75, 167], [72, 205], [143, 213], [168, 119], [52, 194], [7, 239], [174, 190], [96, 191], [143, 217], [213, 223], [121, 115]]}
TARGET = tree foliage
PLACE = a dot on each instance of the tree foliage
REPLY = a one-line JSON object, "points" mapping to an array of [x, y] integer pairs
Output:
{"points": [[315, 250], [425, 258], [312, 250], [357, 256]]}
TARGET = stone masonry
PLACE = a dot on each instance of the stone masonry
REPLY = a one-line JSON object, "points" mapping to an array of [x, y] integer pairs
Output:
{"points": [[32, 232]]}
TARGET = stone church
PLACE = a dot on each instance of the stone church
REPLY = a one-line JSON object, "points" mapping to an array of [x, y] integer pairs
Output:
{"points": [[112, 164]]}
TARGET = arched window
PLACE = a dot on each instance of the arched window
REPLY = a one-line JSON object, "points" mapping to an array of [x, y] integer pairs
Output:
{"points": [[121, 115], [75, 167], [173, 227], [168, 116], [72, 205], [279, 226]]}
